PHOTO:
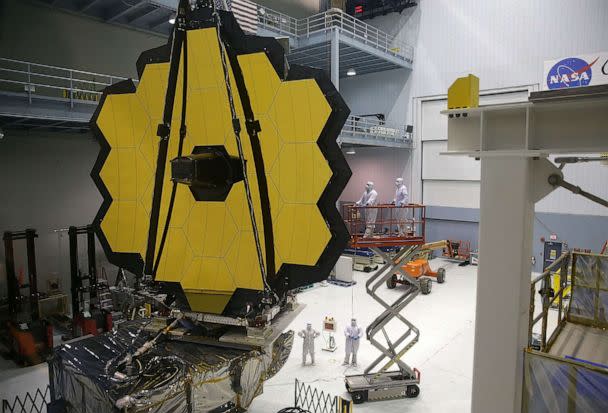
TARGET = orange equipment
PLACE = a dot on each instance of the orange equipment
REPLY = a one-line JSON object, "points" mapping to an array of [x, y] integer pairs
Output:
{"points": [[458, 251], [384, 222], [419, 268]]}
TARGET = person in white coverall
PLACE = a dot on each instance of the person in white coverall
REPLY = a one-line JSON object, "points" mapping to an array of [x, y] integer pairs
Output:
{"points": [[353, 336], [308, 346], [369, 214], [401, 199]]}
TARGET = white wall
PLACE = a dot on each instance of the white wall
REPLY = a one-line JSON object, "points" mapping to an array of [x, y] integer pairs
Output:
{"points": [[380, 165], [32, 32], [504, 43], [295, 8], [46, 185]]}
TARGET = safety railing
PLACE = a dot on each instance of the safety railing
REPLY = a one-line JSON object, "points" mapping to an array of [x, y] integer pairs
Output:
{"points": [[355, 28], [38, 81], [28, 403], [334, 18], [548, 299], [566, 372], [277, 22], [360, 128], [385, 225], [317, 401]]}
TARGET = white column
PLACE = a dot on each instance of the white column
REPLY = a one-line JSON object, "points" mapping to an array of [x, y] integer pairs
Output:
{"points": [[335, 57], [503, 283]]}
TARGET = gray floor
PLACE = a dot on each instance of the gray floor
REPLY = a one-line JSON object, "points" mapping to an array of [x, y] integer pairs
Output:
{"points": [[444, 354], [586, 343]]}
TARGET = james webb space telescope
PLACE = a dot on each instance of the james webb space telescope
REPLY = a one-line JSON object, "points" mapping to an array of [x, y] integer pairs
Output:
{"points": [[220, 174]]}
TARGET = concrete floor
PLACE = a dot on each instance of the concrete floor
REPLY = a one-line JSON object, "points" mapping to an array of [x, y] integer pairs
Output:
{"points": [[444, 354], [582, 342]]}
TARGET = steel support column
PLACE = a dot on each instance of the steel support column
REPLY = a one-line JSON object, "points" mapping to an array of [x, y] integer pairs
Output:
{"points": [[513, 142], [335, 57], [503, 283]]}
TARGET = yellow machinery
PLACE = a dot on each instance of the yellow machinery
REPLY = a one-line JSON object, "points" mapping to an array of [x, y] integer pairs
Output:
{"points": [[556, 285], [220, 175], [464, 93], [228, 190]]}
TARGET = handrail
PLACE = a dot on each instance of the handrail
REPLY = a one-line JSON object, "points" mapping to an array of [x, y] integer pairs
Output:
{"points": [[334, 18], [373, 129], [5, 59], [53, 82], [561, 264], [277, 21]]}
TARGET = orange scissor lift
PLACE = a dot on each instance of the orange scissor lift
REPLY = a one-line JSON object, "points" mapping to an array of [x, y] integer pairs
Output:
{"points": [[375, 227]]}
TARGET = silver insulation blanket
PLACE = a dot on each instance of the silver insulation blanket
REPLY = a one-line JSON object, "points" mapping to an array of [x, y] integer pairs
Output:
{"points": [[173, 376]]}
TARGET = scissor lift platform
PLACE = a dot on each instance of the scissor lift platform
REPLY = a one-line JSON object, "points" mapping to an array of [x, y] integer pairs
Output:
{"points": [[391, 226], [383, 386], [378, 382]]}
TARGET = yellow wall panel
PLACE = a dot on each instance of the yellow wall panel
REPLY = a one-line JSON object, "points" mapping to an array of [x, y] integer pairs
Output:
{"points": [[276, 202], [269, 142], [176, 256], [319, 110], [207, 302], [127, 175], [195, 227], [148, 147], [296, 183], [283, 115], [298, 91], [243, 263], [214, 222], [319, 235], [109, 174], [151, 90], [190, 275], [105, 120], [237, 205], [210, 246], [144, 174], [140, 232], [184, 201], [126, 217], [261, 80], [204, 62]]}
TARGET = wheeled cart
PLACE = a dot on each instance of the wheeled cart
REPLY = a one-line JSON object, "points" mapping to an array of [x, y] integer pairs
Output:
{"points": [[383, 386]]}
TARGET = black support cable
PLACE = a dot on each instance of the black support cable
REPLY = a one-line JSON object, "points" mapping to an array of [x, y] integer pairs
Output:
{"points": [[163, 132], [250, 125], [253, 128], [182, 136]]}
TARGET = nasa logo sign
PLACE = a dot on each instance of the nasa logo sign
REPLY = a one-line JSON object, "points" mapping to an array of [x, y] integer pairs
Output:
{"points": [[576, 71], [570, 72]]}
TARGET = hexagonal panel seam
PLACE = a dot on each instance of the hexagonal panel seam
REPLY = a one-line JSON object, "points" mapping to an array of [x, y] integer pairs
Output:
{"points": [[281, 145]]}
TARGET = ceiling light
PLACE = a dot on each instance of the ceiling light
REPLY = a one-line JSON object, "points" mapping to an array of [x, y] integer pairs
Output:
{"points": [[351, 72], [351, 151], [172, 20]]}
